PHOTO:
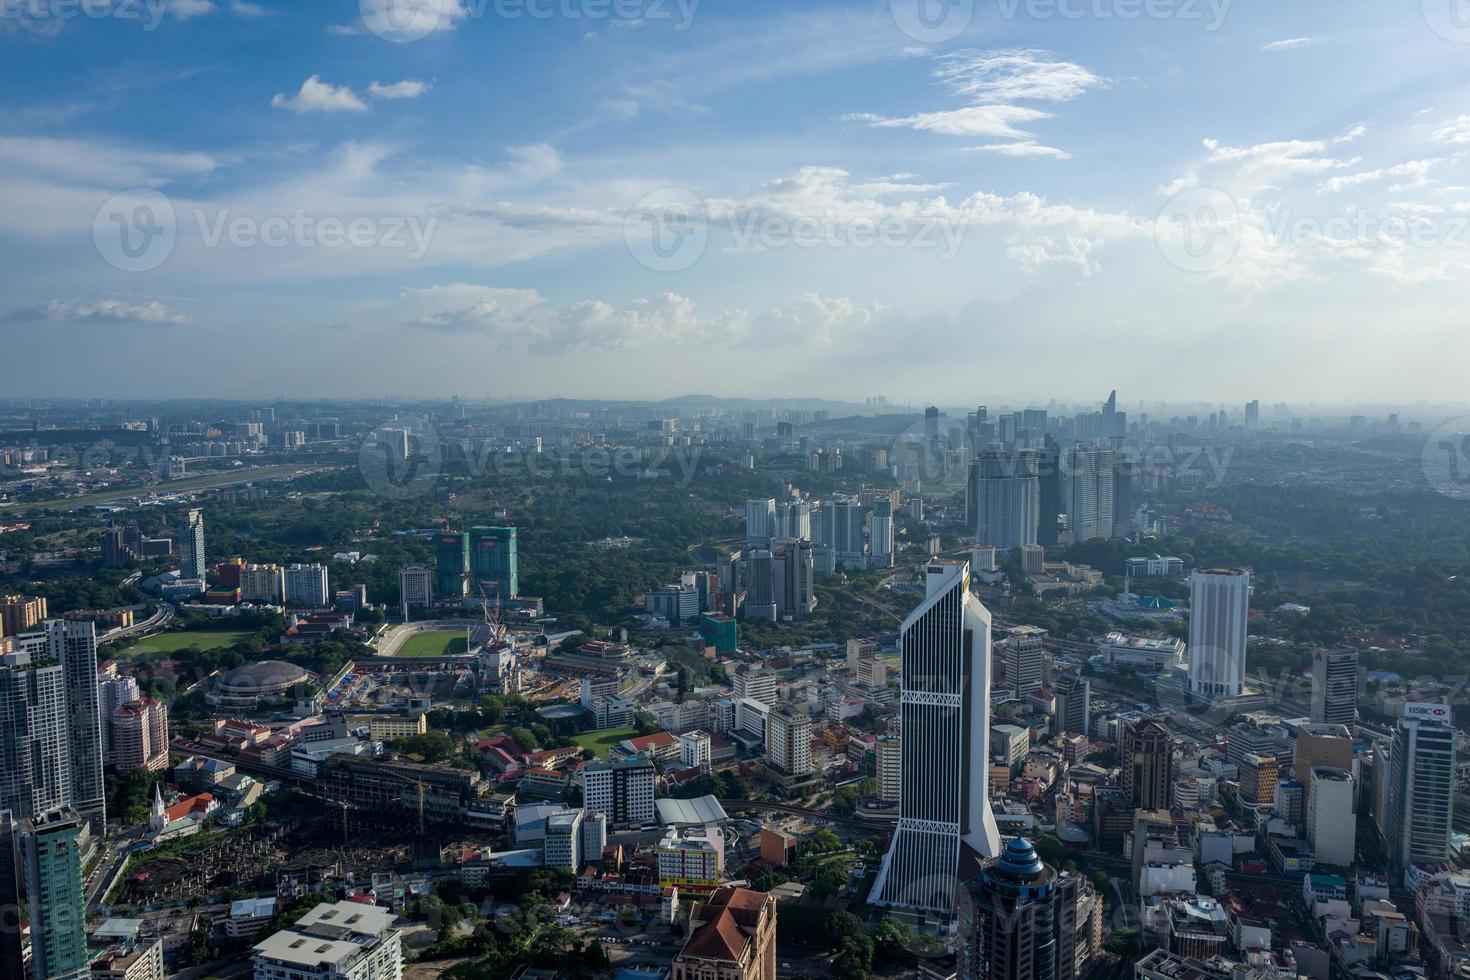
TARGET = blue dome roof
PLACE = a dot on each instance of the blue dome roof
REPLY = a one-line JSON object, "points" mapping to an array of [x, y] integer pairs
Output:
{"points": [[1019, 859]]}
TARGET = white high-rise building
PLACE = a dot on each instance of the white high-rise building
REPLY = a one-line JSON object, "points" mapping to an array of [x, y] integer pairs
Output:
{"points": [[1003, 498], [756, 683], [191, 545], [1331, 827], [944, 803], [562, 848], [842, 531], [1421, 787], [620, 790], [789, 741], [694, 750], [888, 755], [794, 520], [1219, 606], [1335, 687], [880, 535], [760, 522], [1088, 492], [306, 585], [415, 588], [73, 644], [262, 585]]}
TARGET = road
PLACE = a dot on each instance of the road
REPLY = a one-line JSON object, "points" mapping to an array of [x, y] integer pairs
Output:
{"points": [[163, 614], [281, 471]]}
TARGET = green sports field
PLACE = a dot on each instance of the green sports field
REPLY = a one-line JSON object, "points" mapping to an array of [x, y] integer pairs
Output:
{"points": [[438, 643], [173, 642], [602, 742]]}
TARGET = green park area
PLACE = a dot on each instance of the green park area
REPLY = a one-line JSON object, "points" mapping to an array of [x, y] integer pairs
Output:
{"points": [[602, 742], [436, 643], [175, 641]]}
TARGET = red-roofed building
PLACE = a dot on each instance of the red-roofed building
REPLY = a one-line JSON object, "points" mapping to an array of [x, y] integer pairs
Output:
{"points": [[658, 745], [198, 807], [732, 937]]}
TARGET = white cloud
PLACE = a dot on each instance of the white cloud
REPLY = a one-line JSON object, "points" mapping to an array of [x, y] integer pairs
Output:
{"points": [[1024, 148], [1456, 133], [1416, 170], [318, 96], [186, 9], [1354, 132], [1291, 43], [243, 8], [409, 88], [1073, 250], [101, 311], [988, 120], [99, 163]]}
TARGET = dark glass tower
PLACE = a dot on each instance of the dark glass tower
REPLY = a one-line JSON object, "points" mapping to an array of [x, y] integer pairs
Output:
{"points": [[1019, 919]]}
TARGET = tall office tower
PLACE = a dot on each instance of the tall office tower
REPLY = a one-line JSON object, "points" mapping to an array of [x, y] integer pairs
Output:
{"points": [[452, 564], [760, 522], [1018, 919], [493, 563], [73, 644], [12, 946], [842, 530], [1252, 413], [1320, 745], [761, 585], [888, 759], [1049, 492], [794, 520], [1122, 496], [789, 741], [792, 567], [306, 585], [415, 588], [51, 848], [1148, 765], [35, 745], [1335, 687], [1074, 704], [1331, 827], [880, 534], [1219, 606], [1088, 492], [1110, 412], [621, 789], [1421, 788], [191, 545], [980, 430], [945, 709], [1003, 498], [1025, 659]]}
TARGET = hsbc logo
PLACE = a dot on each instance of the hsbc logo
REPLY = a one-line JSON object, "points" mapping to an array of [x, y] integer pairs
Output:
{"points": [[1423, 711]]}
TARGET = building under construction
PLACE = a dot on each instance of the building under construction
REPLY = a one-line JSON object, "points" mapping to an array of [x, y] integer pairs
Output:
{"points": [[393, 790]]}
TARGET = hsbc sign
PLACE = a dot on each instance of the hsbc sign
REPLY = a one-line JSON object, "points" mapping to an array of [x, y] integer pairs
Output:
{"points": [[1426, 711]]}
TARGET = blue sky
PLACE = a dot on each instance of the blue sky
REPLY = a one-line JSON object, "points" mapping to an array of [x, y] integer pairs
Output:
{"points": [[1036, 198]]}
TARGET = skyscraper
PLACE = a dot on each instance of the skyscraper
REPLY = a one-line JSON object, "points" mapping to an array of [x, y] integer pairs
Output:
{"points": [[51, 848], [35, 750], [1088, 492], [1219, 607], [73, 644], [1018, 919], [792, 567], [1049, 483], [944, 802], [880, 534], [191, 545], [842, 530], [12, 948], [1003, 498], [1335, 687], [415, 588], [789, 741], [760, 522], [1074, 704], [493, 562], [1147, 764], [1421, 788], [452, 564]]}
